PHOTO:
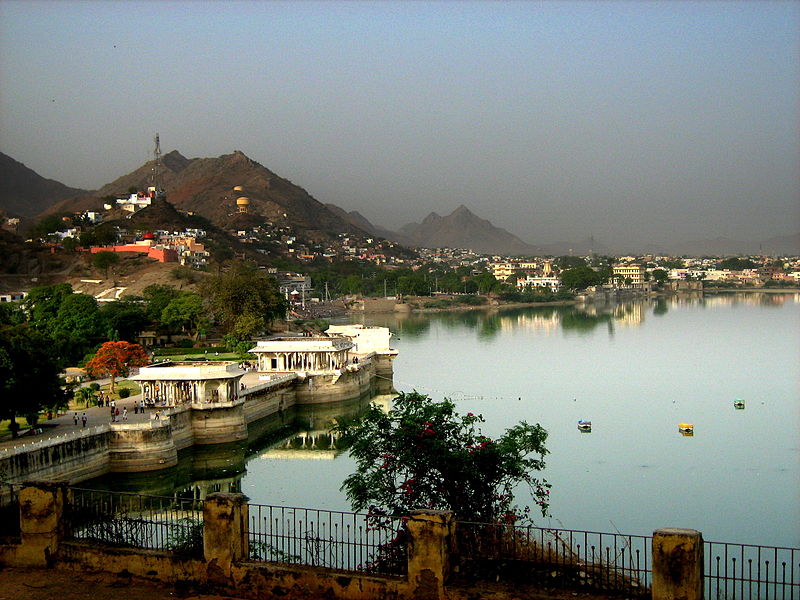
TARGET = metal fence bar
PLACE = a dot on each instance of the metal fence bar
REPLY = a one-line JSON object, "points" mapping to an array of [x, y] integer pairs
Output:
{"points": [[747, 571], [582, 559], [137, 520], [331, 539]]}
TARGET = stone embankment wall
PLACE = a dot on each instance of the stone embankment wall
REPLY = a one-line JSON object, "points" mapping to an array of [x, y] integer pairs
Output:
{"points": [[129, 447]]}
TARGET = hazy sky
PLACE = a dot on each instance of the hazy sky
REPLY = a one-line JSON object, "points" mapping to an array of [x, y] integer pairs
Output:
{"points": [[555, 120]]}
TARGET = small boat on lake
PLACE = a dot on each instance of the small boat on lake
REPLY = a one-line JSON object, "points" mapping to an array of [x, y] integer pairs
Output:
{"points": [[738, 404], [685, 427], [584, 426]]}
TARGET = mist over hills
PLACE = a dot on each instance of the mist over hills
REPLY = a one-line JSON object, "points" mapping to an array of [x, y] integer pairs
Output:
{"points": [[204, 186]]}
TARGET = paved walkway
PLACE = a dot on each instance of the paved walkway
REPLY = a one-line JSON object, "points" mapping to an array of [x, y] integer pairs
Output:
{"points": [[96, 415]]}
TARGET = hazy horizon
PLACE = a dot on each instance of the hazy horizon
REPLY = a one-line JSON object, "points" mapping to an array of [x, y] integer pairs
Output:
{"points": [[626, 121]]}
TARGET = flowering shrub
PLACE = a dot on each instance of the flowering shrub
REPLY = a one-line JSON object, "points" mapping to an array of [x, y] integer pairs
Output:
{"points": [[423, 454]]}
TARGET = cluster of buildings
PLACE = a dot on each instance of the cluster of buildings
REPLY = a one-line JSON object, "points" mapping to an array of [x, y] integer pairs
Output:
{"points": [[165, 246]]}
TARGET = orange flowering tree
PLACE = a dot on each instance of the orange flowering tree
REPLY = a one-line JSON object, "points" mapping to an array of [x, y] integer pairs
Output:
{"points": [[115, 359]]}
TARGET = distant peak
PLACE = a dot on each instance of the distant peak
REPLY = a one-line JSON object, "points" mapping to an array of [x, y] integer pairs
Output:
{"points": [[461, 210]]}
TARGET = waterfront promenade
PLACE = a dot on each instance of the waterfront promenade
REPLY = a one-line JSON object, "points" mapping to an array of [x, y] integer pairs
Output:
{"points": [[64, 424]]}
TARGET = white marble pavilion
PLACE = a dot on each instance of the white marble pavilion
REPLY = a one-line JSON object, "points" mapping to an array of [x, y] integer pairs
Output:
{"points": [[173, 382]]}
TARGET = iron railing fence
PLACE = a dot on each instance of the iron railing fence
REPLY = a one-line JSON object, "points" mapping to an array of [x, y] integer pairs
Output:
{"points": [[557, 558], [9, 513], [325, 538], [137, 520], [745, 571]]}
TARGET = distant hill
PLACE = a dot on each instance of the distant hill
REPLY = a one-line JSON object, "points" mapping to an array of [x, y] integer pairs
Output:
{"points": [[25, 193], [205, 186], [358, 220], [463, 229]]}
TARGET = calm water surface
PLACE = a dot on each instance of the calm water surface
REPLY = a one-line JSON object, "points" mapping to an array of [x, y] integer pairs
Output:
{"points": [[635, 370]]}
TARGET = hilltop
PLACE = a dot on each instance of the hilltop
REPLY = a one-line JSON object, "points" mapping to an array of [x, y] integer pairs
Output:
{"points": [[204, 186]]}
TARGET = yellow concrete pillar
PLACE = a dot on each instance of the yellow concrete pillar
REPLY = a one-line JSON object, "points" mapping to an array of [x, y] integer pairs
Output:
{"points": [[41, 521], [225, 533], [428, 557], [677, 564]]}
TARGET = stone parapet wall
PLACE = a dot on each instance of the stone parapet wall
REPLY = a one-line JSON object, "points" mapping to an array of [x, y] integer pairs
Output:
{"points": [[73, 458]]}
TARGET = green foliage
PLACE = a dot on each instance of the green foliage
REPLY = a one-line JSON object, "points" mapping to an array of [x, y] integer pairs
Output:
{"points": [[240, 347], [29, 373], [105, 260], [182, 351], [48, 225], [124, 392], [579, 278], [185, 312], [736, 264], [72, 321], [423, 454], [570, 262], [124, 319], [244, 300], [156, 298], [660, 275]]}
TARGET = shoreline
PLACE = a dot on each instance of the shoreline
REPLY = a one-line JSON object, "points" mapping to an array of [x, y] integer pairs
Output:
{"points": [[574, 302]]}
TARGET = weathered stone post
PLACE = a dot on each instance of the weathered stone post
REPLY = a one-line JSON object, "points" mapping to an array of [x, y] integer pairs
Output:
{"points": [[428, 555], [225, 529], [677, 564], [41, 521]]}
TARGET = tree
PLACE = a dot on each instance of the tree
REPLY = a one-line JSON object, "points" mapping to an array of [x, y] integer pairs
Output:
{"points": [[124, 320], [186, 312], [156, 298], [105, 260], [580, 278], [244, 300], [29, 373], [422, 454], [660, 276], [115, 359], [72, 321]]}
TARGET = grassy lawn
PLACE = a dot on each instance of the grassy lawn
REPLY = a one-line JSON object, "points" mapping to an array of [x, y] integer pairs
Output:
{"points": [[198, 357]]}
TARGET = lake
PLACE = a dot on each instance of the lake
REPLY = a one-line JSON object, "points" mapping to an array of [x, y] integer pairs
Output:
{"points": [[636, 370]]}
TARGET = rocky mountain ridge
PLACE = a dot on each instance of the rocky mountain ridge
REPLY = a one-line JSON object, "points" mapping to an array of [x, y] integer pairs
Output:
{"points": [[25, 193]]}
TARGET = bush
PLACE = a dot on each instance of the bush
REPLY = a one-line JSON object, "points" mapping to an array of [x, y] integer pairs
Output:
{"points": [[94, 386], [423, 454], [473, 300], [124, 392]]}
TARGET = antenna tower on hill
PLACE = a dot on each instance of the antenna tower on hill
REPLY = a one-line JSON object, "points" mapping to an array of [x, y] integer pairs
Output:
{"points": [[155, 181]]}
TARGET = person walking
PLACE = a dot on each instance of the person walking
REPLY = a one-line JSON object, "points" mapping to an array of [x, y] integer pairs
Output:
{"points": [[75, 419], [84, 419], [125, 413]]}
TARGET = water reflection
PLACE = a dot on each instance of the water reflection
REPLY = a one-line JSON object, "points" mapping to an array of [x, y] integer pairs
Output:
{"points": [[301, 433], [581, 319]]}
